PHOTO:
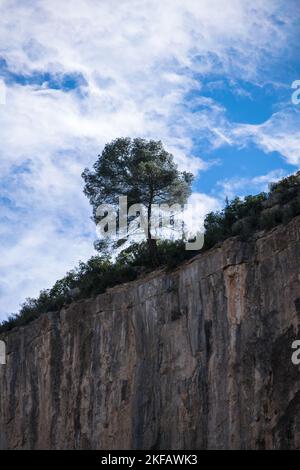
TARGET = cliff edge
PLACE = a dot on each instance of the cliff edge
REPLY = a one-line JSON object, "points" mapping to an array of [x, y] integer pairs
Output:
{"points": [[198, 358]]}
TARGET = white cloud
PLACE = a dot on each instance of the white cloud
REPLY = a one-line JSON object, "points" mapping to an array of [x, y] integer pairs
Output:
{"points": [[40, 256], [127, 38], [198, 206], [280, 133], [139, 60], [231, 187]]}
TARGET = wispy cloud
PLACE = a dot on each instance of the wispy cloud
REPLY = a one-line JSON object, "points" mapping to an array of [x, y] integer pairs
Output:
{"points": [[280, 133], [81, 73], [236, 186]]}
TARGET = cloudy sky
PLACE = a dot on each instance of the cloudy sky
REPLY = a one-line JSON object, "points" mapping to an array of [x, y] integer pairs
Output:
{"points": [[211, 78]]}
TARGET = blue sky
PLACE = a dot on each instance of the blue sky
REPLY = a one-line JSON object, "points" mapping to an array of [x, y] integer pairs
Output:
{"points": [[210, 78]]}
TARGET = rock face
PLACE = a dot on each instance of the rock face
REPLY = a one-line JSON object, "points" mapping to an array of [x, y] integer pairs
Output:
{"points": [[194, 359]]}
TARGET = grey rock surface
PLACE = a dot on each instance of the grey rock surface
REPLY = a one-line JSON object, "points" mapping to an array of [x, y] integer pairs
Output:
{"points": [[199, 358]]}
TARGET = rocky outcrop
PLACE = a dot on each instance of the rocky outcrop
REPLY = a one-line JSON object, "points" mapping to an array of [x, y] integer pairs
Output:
{"points": [[194, 359]]}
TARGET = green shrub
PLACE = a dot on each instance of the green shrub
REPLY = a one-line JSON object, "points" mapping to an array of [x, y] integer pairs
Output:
{"points": [[240, 217], [270, 218], [94, 277]]}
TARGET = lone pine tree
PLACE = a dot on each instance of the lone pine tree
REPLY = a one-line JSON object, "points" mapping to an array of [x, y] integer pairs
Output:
{"points": [[141, 170]]}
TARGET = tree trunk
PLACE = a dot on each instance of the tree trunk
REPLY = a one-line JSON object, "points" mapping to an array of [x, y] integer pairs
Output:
{"points": [[152, 245]]}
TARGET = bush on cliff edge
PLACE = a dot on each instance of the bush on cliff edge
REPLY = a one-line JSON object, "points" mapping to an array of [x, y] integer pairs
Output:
{"points": [[240, 217]]}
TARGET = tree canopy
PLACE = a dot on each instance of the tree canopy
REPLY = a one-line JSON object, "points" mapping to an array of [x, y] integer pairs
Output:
{"points": [[140, 169]]}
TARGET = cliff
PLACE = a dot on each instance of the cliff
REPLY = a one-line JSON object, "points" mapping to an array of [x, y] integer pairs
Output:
{"points": [[197, 358]]}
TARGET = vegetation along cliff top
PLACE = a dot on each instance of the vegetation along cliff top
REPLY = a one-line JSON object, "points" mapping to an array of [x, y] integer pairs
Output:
{"points": [[240, 217]]}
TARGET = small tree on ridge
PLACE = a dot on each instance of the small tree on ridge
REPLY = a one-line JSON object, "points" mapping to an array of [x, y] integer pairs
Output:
{"points": [[141, 170]]}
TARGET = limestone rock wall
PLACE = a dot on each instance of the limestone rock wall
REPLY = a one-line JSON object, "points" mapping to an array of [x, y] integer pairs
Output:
{"points": [[197, 358]]}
